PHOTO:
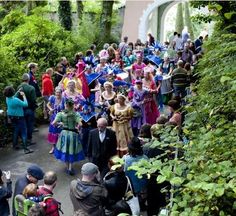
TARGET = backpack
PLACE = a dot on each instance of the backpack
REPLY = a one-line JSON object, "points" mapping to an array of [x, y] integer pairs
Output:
{"points": [[47, 197], [22, 205]]}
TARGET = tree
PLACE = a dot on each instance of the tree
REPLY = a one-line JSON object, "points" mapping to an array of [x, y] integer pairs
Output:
{"points": [[187, 20], [224, 12], [179, 24], [64, 11], [80, 9], [106, 21]]}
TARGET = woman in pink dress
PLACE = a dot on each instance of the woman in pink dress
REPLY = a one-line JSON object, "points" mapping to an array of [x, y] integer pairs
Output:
{"points": [[137, 69], [151, 108]]}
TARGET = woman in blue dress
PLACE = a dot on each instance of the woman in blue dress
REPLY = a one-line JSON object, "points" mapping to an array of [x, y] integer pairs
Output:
{"points": [[55, 105]]}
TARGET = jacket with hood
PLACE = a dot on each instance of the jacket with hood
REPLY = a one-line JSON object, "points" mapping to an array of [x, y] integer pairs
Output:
{"points": [[88, 197], [47, 85]]}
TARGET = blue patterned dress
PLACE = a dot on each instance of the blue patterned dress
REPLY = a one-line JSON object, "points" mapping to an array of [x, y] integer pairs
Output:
{"points": [[53, 131]]}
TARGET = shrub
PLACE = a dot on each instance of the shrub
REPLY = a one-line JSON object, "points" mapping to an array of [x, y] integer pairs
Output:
{"points": [[203, 179]]}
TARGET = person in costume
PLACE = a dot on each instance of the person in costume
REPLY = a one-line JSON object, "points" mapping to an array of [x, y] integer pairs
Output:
{"points": [[72, 93], [107, 99], [137, 68], [121, 114], [151, 110], [117, 61], [102, 66], [80, 63], [89, 58], [92, 80], [139, 117], [68, 148], [56, 104], [89, 122], [69, 76], [166, 66], [129, 58]]}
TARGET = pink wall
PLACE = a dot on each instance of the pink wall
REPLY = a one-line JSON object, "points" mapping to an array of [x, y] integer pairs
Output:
{"points": [[133, 11]]}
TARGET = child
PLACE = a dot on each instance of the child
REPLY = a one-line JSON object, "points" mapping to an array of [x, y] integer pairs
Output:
{"points": [[30, 193]]}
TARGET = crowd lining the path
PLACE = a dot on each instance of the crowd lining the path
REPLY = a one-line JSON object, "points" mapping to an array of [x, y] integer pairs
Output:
{"points": [[103, 108]]}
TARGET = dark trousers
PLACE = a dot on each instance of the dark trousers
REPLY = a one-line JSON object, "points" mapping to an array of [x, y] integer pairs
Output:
{"points": [[85, 135], [29, 119], [19, 126], [180, 91]]}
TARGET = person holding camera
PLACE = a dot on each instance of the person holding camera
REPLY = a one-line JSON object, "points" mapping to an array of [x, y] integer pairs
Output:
{"points": [[88, 195], [29, 111], [5, 193], [15, 113]]}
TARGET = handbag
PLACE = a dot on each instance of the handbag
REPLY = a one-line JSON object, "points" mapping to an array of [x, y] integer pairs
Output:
{"points": [[131, 199]]}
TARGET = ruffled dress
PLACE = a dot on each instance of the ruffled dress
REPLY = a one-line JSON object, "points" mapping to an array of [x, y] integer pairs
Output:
{"points": [[53, 132], [69, 147], [122, 126]]}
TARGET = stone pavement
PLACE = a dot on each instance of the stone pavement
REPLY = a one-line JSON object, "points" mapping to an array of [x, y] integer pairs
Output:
{"points": [[17, 162]]}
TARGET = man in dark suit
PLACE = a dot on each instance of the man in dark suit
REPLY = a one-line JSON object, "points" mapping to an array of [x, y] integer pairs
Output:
{"points": [[101, 145]]}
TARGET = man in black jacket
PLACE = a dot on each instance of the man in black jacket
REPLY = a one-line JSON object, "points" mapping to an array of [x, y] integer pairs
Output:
{"points": [[101, 145], [33, 67], [34, 174]]}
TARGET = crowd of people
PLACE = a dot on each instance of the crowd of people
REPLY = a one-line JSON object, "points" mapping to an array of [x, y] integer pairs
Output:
{"points": [[102, 108]]}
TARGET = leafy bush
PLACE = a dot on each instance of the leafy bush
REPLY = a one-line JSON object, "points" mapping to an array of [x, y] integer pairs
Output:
{"points": [[203, 179], [12, 20], [34, 38]]}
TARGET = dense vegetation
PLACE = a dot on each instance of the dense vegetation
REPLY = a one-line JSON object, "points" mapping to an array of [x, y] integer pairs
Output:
{"points": [[35, 37], [203, 179]]}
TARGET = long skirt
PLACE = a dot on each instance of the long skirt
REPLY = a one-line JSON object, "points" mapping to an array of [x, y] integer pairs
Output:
{"points": [[123, 135], [69, 147], [151, 112], [53, 131]]}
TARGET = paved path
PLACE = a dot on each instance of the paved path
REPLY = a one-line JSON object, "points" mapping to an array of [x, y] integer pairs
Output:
{"points": [[17, 162]]}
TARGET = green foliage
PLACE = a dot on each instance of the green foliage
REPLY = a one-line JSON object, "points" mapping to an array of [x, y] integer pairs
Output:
{"points": [[12, 20], [222, 11], [187, 20], [64, 12], [106, 21], [7, 6], [40, 40], [179, 24], [92, 6], [88, 32], [80, 8], [203, 178]]}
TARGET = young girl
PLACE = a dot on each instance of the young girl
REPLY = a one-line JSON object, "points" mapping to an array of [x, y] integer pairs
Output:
{"points": [[30, 192]]}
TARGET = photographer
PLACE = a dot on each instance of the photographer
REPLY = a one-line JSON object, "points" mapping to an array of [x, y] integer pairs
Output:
{"points": [[5, 193], [15, 113]]}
